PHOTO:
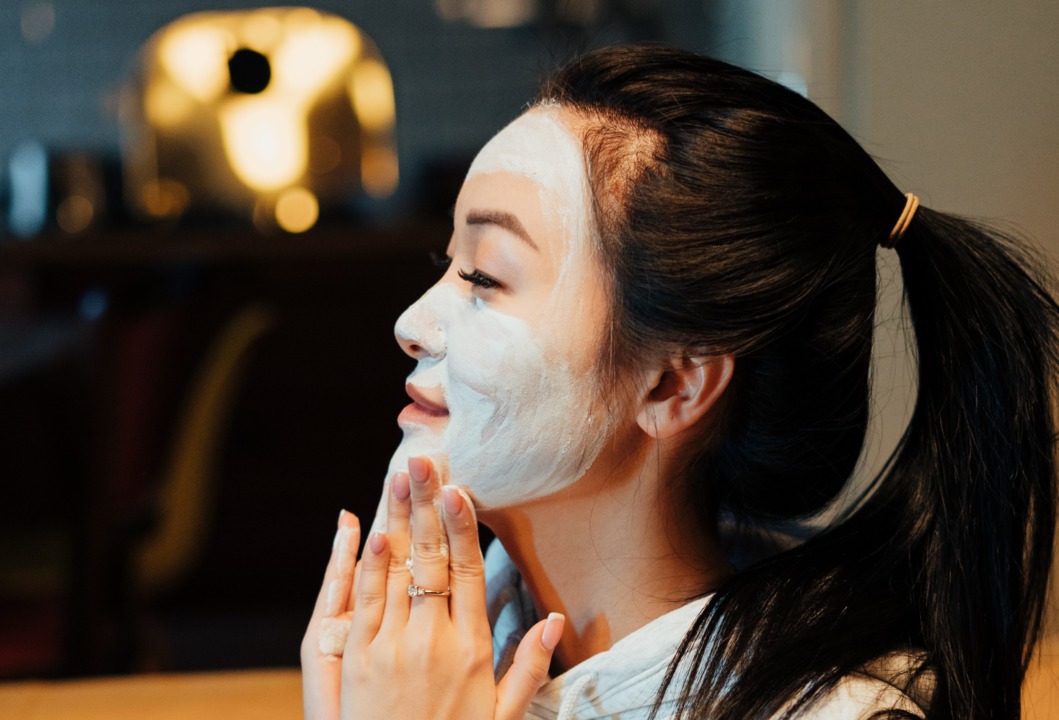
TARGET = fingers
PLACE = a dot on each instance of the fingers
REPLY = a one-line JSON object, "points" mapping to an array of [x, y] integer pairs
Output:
{"points": [[529, 669], [334, 601], [466, 569], [370, 591], [346, 537], [338, 598], [379, 523], [400, 508], [430, 562]]}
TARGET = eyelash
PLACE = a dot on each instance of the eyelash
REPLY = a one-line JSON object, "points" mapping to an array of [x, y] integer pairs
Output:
{"points": [[476, 278], [479, 279]]}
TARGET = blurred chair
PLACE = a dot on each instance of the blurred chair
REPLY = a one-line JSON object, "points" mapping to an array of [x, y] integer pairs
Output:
{"points": [[76, 583], [185, 492], [162, 546]]}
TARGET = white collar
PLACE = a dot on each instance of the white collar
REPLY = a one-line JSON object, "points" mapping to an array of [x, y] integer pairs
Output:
{"points": [[620, 680]]}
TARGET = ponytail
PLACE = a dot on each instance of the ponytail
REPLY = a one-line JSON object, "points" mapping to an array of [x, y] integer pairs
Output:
{"points": [[977, 465], [947, 561]]}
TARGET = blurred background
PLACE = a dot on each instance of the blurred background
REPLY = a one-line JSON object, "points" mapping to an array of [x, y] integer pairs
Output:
{"points": [[212, 213]]}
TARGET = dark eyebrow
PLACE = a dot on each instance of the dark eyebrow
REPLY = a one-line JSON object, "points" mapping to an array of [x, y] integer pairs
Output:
{"points": [[502, 219]]}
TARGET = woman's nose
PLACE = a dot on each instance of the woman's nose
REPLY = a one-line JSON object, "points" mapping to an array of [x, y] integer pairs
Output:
{"points": [[419, 330]]}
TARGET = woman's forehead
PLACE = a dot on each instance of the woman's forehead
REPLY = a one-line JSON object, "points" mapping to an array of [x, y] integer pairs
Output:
{"points": [[539, 146]]}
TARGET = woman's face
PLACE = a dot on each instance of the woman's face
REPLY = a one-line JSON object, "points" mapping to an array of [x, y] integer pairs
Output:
{"points": [[506, 387]]}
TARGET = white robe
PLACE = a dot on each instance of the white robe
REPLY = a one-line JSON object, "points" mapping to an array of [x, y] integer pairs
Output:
{"points": [[622, 682]]}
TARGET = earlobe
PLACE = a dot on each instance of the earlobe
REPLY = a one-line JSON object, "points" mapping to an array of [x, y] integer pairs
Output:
{"points": [[681, 394]]}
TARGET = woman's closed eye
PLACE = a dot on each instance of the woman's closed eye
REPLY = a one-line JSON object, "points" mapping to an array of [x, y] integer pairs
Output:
{"points": [[478, 279]]}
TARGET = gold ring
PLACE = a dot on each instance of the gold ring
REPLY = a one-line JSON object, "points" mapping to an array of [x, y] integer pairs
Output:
{"points": [[416, 591]]}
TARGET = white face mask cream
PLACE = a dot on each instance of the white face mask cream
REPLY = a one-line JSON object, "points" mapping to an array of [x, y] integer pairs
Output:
{"points": [[525, 414]]}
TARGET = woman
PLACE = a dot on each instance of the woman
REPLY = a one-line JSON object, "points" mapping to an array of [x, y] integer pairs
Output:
{"points": [[659, 310]]}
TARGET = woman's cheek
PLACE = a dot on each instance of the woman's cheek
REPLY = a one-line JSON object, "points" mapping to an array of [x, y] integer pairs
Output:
{"points": [[528, 436]]}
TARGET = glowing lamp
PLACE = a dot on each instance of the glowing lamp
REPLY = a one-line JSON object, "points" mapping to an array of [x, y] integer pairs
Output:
{"points": [[270, 114]]}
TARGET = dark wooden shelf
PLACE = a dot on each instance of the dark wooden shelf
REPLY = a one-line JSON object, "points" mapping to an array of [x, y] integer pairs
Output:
{"points": [[212, 243]]}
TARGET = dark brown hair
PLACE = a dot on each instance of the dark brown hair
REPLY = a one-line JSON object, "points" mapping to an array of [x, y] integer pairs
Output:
{"points": [[737, 217]]}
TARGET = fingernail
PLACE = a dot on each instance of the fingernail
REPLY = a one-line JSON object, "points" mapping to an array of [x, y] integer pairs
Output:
{"points": [[400, 487], [377, 542], [470, 503], [553, 630], [419, 469], [341, 514], [451, 499]]}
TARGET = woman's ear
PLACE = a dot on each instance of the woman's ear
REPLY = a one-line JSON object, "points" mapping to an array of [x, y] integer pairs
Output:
{"points": [[682, 392]]}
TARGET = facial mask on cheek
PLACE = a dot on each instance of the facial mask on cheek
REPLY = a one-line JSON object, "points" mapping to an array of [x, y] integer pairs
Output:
{"points": [[523, 424], [520, 424]]}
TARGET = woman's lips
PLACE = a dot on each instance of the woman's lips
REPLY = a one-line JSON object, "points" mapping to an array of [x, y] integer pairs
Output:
{"points": [[423, 409]]}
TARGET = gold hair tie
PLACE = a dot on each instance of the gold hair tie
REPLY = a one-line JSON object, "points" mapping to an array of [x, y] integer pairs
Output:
{"points": [[911, 204]]}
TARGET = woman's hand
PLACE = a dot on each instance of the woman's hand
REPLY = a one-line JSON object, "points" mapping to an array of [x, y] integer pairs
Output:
{"points": [[424, 656]]}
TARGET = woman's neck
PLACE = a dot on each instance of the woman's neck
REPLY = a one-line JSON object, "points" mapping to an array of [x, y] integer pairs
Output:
{"points": [[611, 553]]}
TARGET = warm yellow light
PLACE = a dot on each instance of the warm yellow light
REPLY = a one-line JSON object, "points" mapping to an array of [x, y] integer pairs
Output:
{"points": [[312, 56], [265, 141], [167, 105], [321, 116], [164, 198], [195, 54], [74, 214], [297, 210], [371, 89], [261, 31], [378, 167], [492, 13], [300, 17]]}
